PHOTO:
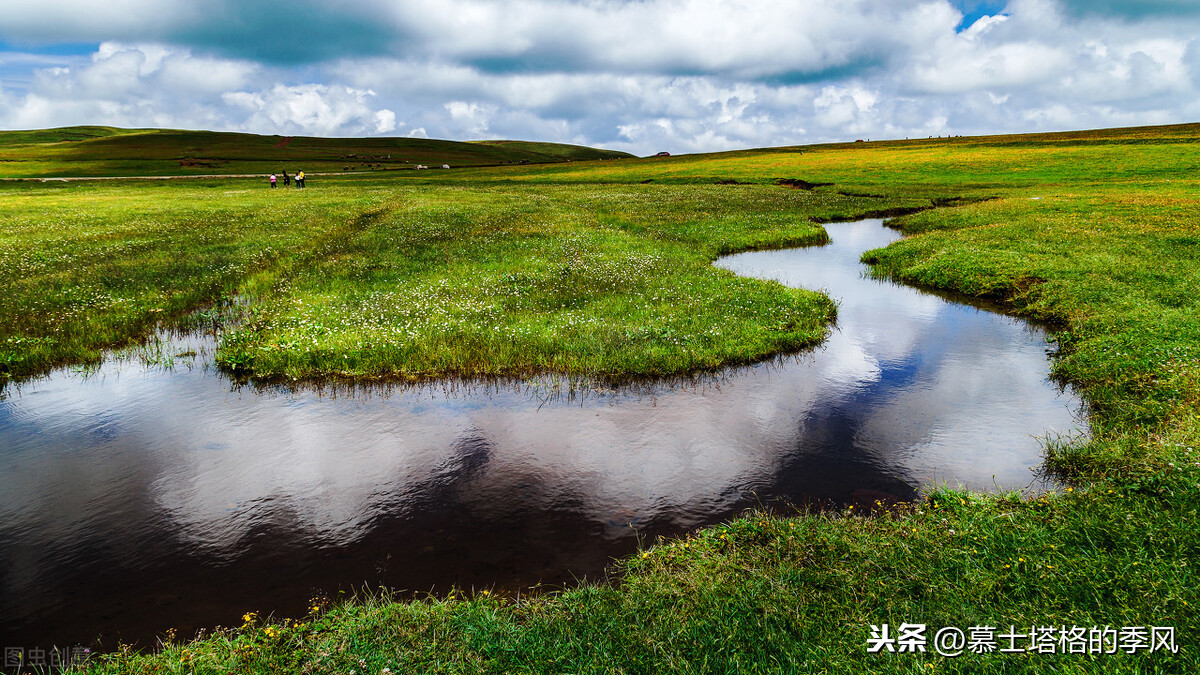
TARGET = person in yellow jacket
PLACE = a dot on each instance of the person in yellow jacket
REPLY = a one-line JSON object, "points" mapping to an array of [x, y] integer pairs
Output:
{"points": [[299, 179]]}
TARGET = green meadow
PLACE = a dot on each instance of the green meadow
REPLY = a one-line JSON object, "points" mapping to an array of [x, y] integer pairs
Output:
{"points": [[600, 270], [378, 279]]}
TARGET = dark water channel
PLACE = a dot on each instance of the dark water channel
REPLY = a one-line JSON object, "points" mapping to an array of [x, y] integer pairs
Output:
{"points": [[139, 498]]}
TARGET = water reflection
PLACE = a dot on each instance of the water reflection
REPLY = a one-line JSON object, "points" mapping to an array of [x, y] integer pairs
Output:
{"points": [[138, 499]]}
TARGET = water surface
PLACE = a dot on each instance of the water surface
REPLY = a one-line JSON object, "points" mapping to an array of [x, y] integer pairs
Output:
{"points": [[138, 499]]}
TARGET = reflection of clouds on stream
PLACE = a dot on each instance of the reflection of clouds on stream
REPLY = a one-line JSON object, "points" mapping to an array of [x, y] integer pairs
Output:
{"points": [[124, 470], [940, 391]]}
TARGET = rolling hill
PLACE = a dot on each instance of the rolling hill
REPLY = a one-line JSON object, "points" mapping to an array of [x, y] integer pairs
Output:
{"points": [[106, 151]]}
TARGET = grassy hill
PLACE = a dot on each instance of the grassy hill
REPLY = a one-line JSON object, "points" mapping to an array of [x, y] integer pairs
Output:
{"points": [[553, 152], [107, 151], [975, 165]]}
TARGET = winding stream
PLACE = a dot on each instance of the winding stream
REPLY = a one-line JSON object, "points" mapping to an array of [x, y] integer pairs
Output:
{"points": [[138, 498]]}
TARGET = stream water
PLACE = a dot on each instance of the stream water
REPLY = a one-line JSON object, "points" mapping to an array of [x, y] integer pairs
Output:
{"points": [[138, 499]]}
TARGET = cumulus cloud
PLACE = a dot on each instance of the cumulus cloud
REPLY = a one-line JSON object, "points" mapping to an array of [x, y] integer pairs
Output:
{"points": [[644, 75], [472, 117], [162, 86], [311, 108], [385, 121], [125, 85]]}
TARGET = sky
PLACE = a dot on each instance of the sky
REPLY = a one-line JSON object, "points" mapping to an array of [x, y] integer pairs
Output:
{"points": [[641, 76]]}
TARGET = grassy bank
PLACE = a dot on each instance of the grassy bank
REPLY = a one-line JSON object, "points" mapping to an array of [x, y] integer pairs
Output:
{"points": [[772, 595], [1097, 232], [88, 267], [519, 280], [374, 279]]}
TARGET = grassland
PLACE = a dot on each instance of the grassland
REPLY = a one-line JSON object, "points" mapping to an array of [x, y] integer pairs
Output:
{"points": [[514, 281], [375, 279], [1098, 232]]}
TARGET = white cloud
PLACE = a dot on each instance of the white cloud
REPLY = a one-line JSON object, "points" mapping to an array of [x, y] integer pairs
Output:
{"points": [[471, 117], [848, 108], [385, 121], [191, 75], [313, 109], [244, 100], [982, 26], [967, 67], [676, 75], [153, 85]]}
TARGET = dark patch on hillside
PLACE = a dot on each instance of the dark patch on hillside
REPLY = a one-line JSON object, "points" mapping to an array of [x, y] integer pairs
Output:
{"points": [[799, 183], [104, 151]]}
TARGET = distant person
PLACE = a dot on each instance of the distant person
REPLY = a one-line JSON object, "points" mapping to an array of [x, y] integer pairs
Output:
{"points": [[286, 180], [272, 180], [299, 179]]}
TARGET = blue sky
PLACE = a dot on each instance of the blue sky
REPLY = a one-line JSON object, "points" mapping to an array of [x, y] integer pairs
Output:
{"points": [[636, 75], [974, 10]]}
